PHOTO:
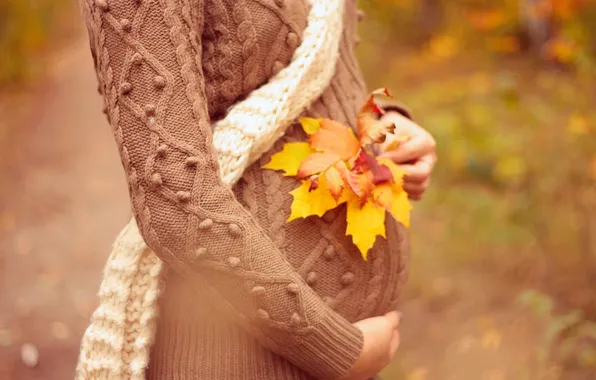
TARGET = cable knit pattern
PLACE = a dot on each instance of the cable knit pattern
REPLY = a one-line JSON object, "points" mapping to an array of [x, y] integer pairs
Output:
{"points": [[247, 36], [247, 296], [217, 13], [252, 126]]}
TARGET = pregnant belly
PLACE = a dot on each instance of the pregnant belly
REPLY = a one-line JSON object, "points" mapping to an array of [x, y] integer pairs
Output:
{"points": [[329, 263], [320, 251]]}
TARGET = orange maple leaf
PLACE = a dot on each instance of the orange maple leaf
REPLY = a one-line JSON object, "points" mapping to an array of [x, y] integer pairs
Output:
{"points": [[316, 163], [334, 137], [335, 182]]}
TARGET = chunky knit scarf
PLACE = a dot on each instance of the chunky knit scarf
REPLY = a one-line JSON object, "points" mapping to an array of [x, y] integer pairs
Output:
{"points": [[126, 316]]}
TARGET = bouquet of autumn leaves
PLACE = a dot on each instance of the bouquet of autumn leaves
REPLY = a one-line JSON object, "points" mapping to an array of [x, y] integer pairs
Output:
{"points": [[337, 166]]}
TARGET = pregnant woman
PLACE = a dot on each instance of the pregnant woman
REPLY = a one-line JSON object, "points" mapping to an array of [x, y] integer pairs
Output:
{"points": [[200, 94]]}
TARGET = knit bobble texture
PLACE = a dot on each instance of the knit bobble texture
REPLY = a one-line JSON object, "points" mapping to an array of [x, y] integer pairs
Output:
{"points": [[292, 40], [293, 288], [329, 253], [295, 320], [125, 88], [258, 291], [156, 179], [125, 24], [201, 253], [263, 314], [162, 150], [234, 262], [103, 5], [347, 279], [137, 59], [183, 196], [192, 162], [150, 109], [159, 82], [206, 224], [235, 230]]}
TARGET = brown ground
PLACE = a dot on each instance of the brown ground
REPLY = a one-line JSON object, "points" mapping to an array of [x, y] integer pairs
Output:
{"points": [[64, 200]]}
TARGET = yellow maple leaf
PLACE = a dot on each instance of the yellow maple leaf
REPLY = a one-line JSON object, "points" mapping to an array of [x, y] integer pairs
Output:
{"points": [[310, 125], [401, 206], [309, 202], [290, 158], [365, 223]]}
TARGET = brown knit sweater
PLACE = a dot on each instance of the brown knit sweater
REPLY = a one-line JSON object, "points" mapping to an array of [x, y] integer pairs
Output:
{"points": [[247, 296]]}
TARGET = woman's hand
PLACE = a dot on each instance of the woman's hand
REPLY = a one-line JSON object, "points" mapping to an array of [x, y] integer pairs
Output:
{"points": [[381, 339], [416, 156]]}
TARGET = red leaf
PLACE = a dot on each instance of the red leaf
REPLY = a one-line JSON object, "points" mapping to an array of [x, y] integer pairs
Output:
{"points": [[360, 163], [381, 174], [366, 162]]}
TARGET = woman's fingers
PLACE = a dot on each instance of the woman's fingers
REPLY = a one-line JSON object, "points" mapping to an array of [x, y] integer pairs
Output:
{"points": [[408, 151], [395, 340], [417, 179], [419, 171], [416, 191], [380, 343], [393, 317], [417, 156]]}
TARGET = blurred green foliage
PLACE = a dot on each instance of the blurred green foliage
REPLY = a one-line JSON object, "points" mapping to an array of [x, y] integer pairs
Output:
{"points": [[516, 139], [27, 29], [559, 31], [513, 194], [568, 338]]}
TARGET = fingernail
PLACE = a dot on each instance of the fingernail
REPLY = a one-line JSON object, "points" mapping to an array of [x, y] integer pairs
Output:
{"points": [[399, 315]]}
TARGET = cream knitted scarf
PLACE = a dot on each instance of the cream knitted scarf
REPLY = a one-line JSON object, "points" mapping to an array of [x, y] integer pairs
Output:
{"points": [[131, 281]]}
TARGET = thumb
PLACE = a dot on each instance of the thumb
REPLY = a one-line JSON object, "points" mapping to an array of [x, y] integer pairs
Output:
{"points": [[395, 341], [394, 318]]}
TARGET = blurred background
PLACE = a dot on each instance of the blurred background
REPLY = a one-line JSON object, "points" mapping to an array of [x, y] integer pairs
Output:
{"points": [[503, 270]]}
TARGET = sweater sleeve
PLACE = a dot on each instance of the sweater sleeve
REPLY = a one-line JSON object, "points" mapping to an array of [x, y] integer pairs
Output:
{"points": [[148, 60]]}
